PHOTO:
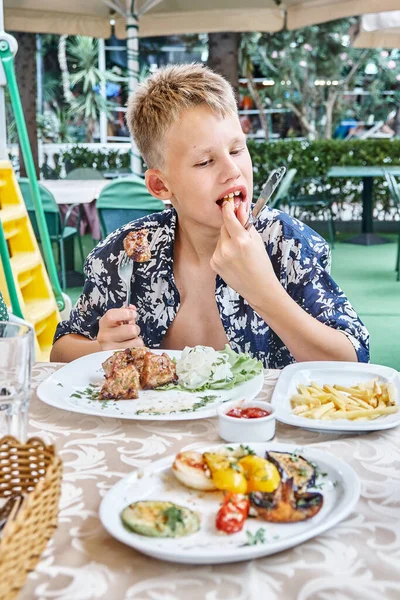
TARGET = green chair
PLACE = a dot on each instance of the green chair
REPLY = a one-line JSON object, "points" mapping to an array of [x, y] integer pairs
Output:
{"points": [[394, 190], [84, 173], [283, 189], [310, 195], [125, 200], [59, 231]]}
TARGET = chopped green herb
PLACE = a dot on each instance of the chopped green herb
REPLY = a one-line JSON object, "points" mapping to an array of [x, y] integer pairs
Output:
{"points": [[60, 385], [319, 486], [302, 471], [173, 517], [247, 449], [257, 538], [76, 396]]}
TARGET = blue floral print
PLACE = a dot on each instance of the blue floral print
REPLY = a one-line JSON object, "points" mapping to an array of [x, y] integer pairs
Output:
{"points": [[301, 261]]}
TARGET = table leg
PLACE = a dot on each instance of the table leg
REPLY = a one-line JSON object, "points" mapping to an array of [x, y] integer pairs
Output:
{"points": [[74, 278], [367, 237]]}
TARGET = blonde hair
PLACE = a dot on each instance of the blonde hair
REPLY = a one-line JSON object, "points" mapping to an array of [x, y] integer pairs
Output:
{"points": [[160, 100]]}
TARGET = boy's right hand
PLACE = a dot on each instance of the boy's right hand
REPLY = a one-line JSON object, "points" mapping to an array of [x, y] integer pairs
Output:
{"points": [[118, 329]]}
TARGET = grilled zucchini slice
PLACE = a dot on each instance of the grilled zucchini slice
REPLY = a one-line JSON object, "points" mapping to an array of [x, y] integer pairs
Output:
{"points": [[160, 519]]}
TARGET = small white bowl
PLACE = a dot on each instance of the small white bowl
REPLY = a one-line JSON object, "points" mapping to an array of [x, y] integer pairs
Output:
{"points": [[233, 429]]}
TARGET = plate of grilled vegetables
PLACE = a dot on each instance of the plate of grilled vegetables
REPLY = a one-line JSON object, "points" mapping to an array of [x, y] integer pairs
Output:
{"points": [[229, 503], [139, 383]]}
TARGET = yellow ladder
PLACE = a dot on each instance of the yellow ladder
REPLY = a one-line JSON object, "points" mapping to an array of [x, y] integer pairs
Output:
{"points": [[34, 291]]}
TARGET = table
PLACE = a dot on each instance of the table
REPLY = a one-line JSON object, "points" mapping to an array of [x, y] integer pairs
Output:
{"points": [[359, 558], [367, 236], [85, 193], [75, 191]]}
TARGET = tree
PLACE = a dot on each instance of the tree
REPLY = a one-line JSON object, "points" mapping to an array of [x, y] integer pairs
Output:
{"points": [[310, 68], [223, 56], [25, 67], [248, 48], [382, 81], [81, 86]]}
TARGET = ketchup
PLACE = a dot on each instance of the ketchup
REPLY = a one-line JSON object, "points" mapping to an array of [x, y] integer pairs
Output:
{"points": [[252, 412]]}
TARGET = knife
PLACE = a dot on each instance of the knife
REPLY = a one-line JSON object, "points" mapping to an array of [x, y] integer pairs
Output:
{"points": [[269, 188]]}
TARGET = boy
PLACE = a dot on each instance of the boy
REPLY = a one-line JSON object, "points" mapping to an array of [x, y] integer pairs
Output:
{"points": [[265, 291]]}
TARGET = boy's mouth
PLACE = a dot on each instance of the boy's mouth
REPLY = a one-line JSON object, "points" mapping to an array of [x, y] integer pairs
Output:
{"points": [[236, 195]]}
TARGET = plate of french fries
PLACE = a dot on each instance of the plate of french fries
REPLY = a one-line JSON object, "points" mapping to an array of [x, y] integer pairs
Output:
{"points": [[338, 396]]}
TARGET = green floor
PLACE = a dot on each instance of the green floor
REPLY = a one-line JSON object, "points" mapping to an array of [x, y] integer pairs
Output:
{"points": [[367, 276]]}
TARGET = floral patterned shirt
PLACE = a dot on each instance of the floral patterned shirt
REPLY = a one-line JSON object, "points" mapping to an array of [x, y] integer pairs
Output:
{"points": [[301, 261], [3, 309]]}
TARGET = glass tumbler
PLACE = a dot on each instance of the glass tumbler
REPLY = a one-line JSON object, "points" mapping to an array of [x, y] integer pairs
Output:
{"points": [[16, 352]]}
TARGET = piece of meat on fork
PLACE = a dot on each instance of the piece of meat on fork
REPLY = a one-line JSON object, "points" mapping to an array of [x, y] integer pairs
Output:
{"points": [[136, 245]]}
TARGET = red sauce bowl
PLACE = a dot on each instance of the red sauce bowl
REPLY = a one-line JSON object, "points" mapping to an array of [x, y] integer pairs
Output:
{"points": [[246, 421]]}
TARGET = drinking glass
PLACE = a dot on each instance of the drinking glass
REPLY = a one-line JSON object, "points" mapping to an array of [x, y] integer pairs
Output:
{"points": [[16, 352]]}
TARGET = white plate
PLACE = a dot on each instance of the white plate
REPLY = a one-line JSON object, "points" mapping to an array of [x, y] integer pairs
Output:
{"points": [[341, 373], [340, 488], [58, 390]]}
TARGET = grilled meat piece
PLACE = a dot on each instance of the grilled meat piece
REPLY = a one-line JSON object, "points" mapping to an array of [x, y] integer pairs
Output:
{"points": [[158, 369], [137, 357], [122, 358], [119, 359], [137, 246], [286, 506], [294, 466], [122, 385]]}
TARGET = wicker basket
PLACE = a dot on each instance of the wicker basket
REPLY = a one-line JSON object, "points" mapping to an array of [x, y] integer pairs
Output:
{"points": [[34, 470]]}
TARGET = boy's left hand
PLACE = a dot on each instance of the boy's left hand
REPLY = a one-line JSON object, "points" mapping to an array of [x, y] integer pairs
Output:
{"points": [[240, 257]]}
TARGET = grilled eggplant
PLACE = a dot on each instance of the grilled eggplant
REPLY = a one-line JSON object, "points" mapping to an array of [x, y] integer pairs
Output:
{"points": [[293, 466], [286, 506], [160, 519]]}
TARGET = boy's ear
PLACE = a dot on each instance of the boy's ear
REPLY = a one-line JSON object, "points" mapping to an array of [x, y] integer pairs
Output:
{"points": [[157, 185]]}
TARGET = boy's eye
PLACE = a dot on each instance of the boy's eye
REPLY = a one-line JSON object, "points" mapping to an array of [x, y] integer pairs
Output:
{"points": [[237, 151], [204, 163]]}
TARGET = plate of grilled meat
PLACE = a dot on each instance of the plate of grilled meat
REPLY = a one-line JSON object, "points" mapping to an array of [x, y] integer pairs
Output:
{"points": [[139, 383]]}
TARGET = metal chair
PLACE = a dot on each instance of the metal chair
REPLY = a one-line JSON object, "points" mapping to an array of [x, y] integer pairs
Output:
{"points": [[283, 189], [310, 195], [58, 229], [125, 200], [84, 173], [394, 190]]}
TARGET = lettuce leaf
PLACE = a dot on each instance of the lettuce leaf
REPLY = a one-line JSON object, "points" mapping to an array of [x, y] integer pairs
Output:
{"points": [[243, 368]]}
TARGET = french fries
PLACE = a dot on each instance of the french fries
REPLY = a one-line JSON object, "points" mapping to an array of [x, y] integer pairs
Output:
{"points": [[363, 401]]}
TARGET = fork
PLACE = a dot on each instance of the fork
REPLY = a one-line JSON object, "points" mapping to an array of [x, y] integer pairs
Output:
{"points": [[125, 270]]}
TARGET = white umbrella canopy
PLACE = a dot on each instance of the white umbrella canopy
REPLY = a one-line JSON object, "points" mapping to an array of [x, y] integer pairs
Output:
{"points": [[379, 30], [168, 17]]}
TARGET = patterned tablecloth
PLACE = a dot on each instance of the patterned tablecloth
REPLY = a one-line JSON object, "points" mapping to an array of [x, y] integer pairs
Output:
{"points": [[358, 559]]}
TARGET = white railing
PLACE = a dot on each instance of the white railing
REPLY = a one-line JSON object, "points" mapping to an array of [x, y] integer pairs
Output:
{"points": [[47, 151]]}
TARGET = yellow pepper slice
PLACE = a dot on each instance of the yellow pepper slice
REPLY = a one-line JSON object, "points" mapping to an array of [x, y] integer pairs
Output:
{"points": [[261, 475], [226, 474]]}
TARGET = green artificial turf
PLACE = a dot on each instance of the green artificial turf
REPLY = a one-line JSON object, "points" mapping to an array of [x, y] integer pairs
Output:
{"points": [[367, 276]]}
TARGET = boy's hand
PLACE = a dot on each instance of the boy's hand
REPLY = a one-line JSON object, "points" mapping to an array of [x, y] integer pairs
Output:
{"points": [[240, 257], [118, 329]]}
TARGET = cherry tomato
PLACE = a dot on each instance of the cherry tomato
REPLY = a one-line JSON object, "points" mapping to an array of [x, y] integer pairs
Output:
{"points": [[233, 513]]}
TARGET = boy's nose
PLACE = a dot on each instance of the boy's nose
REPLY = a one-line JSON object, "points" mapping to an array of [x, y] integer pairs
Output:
{"points": [[230, 170]]}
